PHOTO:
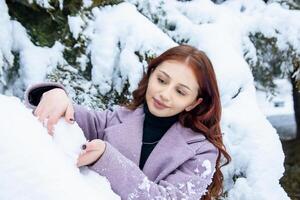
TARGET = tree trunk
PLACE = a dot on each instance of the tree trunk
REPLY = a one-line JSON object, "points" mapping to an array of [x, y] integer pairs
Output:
{"points": [[296, 99]]}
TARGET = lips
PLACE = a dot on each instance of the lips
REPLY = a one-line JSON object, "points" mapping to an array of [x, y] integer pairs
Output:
{"points": [[159, 104]]}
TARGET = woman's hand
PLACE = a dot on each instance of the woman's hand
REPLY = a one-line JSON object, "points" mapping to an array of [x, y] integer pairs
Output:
{"points": [[92, 151], [54, 104]]}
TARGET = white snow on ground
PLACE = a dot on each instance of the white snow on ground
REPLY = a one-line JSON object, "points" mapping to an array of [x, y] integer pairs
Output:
{"points": [[35, 165]]}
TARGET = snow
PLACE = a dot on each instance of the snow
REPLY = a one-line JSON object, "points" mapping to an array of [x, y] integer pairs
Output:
{"points": [[46, 3], [190, 187], [207, 165], [113, 35], [114, 63], [35, 61], [87, 3], [35, 165], [145, 185], [42, 3], [75, 24], [280, 103], [279, 108], [6, 56]]}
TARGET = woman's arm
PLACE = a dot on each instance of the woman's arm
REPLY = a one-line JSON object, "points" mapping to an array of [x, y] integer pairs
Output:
{"points": [[34, 93], [50, 100], [189, 181], [94, 122]]}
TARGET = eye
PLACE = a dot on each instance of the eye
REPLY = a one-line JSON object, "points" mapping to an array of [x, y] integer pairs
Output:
{"points": [[180, 92], [160, 80]]}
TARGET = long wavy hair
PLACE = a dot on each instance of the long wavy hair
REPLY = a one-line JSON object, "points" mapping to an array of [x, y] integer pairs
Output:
{"points": [[205, 117]]}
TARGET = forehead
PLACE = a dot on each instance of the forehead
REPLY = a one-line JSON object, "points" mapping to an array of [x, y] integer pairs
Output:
{"points": [[179, 72]]}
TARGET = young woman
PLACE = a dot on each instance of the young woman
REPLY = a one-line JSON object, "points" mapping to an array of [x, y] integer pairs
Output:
{"points": [[165, 144]]}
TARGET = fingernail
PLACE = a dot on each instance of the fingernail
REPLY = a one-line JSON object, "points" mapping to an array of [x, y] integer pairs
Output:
{"points": [[83, 147]]}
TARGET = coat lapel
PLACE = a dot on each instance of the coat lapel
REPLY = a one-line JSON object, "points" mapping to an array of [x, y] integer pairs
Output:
{"points": [[171, 151], [127, 136]]}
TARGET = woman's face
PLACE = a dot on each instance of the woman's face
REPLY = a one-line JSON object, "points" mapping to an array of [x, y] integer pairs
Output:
{"points": [[172, 88]]}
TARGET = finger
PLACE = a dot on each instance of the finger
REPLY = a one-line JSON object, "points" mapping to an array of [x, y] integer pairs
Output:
{"points": [[87, 158], [50, 131], [40, 107], [87, 147], [37, 110], [42, 113], [45, 124], [94, 145], [53, 119], [91, 146], [69, 115], [82, 160], [43, 116]]}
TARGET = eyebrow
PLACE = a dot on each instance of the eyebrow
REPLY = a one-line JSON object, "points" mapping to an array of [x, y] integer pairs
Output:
{"points": [[170, 77]]}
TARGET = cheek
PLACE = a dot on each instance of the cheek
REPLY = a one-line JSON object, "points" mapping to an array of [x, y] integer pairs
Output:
{"points": [[150, 89], [152, 86], [182, 103]]}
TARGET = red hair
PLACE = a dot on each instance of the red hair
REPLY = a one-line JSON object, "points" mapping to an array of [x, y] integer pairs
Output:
{"points": [[205, 117]]}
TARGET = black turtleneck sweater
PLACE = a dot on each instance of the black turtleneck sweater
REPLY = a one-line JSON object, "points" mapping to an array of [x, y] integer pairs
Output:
{"points": [[153, 130]]}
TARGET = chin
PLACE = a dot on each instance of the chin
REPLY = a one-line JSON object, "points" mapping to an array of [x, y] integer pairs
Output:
{"points": [[158, 113], [155, 112]]}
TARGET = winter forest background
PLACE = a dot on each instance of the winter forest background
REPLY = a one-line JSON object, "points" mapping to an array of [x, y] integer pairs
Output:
{"points": [[99, 50]]}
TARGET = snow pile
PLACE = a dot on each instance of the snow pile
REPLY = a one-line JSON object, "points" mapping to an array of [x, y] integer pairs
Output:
{"points": [[257, 163], [35, 165]]}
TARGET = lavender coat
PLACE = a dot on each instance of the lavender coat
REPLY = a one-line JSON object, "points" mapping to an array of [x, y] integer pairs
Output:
{"points": [[181, 166]]}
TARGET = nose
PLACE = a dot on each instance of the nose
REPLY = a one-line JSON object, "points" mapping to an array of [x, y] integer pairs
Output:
{"points": [[165, 94]]}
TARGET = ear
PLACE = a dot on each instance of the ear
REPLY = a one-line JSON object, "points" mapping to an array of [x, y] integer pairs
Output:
{"points": [[194, 104]]}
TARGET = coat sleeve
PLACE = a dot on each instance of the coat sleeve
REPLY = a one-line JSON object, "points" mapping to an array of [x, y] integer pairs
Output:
{"points": [[189, 181], [91, 122], [34, 93], [94, 122]]}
